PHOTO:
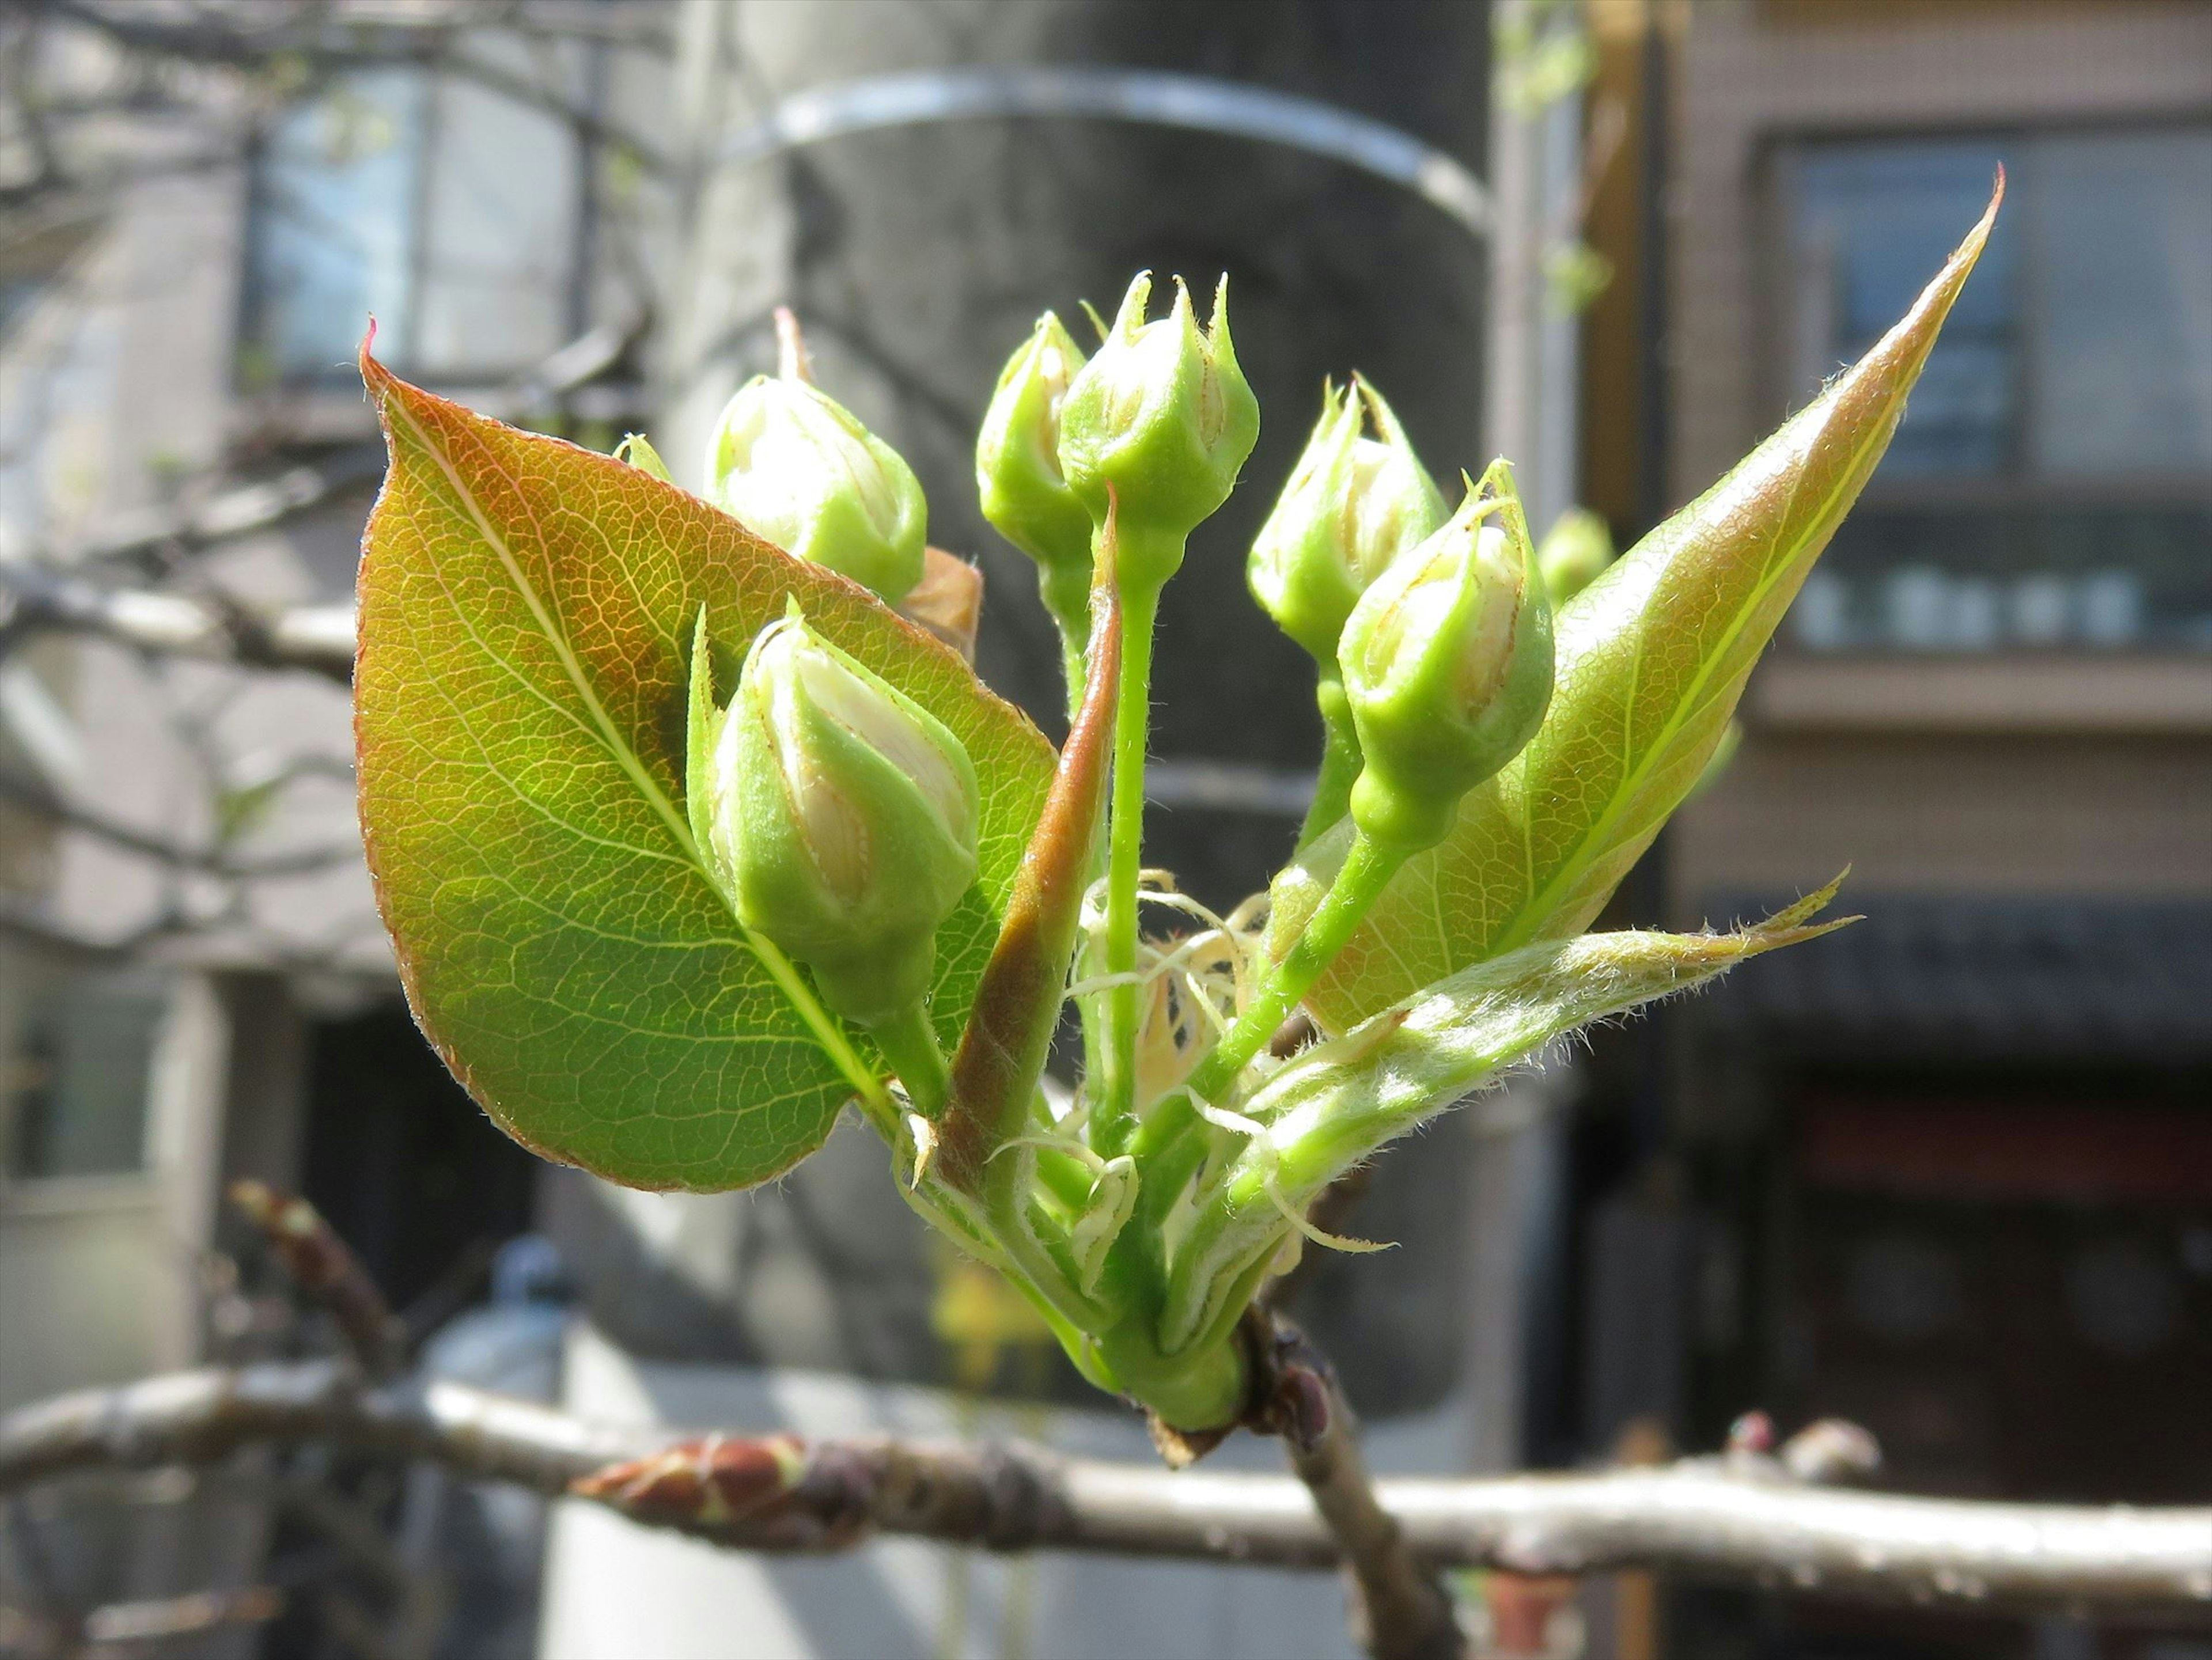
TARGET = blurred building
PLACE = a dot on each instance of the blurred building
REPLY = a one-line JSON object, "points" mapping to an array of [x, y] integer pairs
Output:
{"points": [[1949, 1172], [588, 235], [193, 984]]}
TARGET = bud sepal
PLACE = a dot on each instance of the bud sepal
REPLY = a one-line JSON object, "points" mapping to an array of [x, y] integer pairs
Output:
{"points": [[637, 450]]}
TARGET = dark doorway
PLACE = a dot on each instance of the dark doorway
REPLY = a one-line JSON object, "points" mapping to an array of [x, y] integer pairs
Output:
{"points": [[407, 1168]]}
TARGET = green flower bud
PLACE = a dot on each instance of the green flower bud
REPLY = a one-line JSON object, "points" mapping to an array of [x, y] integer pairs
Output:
{"points": [[1573, 553], [1164, 417], [1018, 475], [841, 817], [1447, 668], [798, 468], [1353, 505]]}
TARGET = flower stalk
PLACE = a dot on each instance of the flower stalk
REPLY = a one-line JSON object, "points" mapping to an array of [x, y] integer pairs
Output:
{"points": [[1153, 432]]}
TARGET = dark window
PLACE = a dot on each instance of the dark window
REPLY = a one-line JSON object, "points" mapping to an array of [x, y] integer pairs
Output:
{"points": [[2050, 486], [79, 1053], [448, 211]]}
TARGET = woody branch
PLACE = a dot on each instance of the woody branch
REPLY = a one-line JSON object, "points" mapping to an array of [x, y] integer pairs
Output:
{"points": [[1739, 1521]]}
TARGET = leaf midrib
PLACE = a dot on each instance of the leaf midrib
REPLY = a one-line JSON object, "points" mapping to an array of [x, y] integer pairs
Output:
{"points": [[1691, 701]]}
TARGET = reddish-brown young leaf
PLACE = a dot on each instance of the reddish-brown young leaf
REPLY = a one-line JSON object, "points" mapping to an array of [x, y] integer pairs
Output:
{"points": [[527, 612], [1003, 1051]]}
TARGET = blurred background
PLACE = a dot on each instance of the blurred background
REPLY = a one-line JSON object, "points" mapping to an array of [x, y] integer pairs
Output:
{"points": [[1947, 1173]]}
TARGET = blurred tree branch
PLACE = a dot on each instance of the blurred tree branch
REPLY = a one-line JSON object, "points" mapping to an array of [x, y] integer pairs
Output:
{"points": [[315, 638], [275, 42], [1739, 1519]]}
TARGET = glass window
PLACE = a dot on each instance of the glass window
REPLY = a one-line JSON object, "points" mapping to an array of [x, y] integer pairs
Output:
{"points": [[1874, 221], [445, 210], [2123, 247], [2051, 485], [78, 1055]]}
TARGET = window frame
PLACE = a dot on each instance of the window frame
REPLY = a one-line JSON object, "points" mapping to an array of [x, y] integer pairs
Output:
{"points": [[1776, 389], [253, 291]]}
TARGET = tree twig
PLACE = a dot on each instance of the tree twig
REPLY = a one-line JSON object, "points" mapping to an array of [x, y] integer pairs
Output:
{"points": [[166, 1619], [324, 1267], [32, 926], [316, 638], [433, 39], [34, 797], [1703, 1519], [1400, 1608], [160, 536]]}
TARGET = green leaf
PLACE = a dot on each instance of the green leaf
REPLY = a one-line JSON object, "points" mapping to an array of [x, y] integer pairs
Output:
{"points": [[1335, 1105], [1652, 657], [527, 618]]}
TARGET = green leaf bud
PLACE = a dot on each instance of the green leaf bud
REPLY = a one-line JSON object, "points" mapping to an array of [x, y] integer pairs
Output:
{"points": [[1574, 552], [1448, 667], [1353, 505], [1112, 1201], [842, 818], [1163, 417], [798, 468], [1025, 495], [637, 450]]}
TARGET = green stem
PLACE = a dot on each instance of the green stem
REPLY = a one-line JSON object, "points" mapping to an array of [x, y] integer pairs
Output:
{"points": [[1006, 1210], [909, 1043], [1065, 588], [1113, 1111], [1368, 868], [1203, 1387], [1341, 759]]}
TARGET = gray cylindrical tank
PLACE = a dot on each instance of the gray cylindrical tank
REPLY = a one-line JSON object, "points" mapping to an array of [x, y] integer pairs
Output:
{"points": [[917, 260]]}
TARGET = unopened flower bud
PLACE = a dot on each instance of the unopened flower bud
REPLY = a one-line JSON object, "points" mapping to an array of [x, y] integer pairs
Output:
{"points": [[1447, 668], [1573, 553], [842, 819], [798, 468], [1025, 495], [1353, 505], [1163, 417]]}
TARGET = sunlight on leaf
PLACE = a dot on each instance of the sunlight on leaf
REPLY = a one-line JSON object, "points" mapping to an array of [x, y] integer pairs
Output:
{"points": [[1652, 658], [527, 614]]}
